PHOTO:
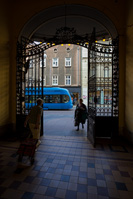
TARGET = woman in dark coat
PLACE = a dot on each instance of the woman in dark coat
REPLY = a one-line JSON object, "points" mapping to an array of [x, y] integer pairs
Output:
{"points": [[80, 114]]}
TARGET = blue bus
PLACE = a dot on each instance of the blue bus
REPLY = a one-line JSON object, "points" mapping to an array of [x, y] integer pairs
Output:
{"points": [[53, 98]]}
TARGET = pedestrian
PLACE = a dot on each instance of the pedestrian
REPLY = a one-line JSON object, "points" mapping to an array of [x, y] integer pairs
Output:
{"points": [[34, 120], [80, 114], [75, 100]]}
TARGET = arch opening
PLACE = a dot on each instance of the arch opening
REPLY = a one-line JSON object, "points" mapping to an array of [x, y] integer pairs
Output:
{"points": [[82, 19], [99, 55]]}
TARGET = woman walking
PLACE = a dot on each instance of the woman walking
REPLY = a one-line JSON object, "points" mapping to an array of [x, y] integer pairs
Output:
{"points": [[80, 114]]}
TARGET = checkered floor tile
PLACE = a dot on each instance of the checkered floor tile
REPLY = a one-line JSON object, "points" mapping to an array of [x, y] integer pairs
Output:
{"points": [[67, 168]]}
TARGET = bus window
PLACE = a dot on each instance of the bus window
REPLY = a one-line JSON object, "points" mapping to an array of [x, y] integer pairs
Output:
{"points": [[46, 99], [31, 99], [26, 99], [65, 98], [55, 99]]}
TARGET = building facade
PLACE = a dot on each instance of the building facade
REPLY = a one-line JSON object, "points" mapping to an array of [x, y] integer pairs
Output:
{"points": [[62, 68]]}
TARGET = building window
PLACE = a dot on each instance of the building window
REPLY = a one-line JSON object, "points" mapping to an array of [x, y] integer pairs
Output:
{"points": [[106, 72], [92, 71], [31, 63], [30, 82], [55, 80], [44, 81], [55, 62], [44, 61], [67, 80], [67, 61]]}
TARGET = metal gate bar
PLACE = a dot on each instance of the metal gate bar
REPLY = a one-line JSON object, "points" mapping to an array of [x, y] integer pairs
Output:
{"points": [[103, 80]]}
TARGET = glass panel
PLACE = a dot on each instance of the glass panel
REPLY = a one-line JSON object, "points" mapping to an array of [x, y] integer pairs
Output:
{"points": [[55, 80], [54, 99], [68, 80], [65, 98], [55, 61], [103, 80], [26, 99], [46, 99], [67, 61]]}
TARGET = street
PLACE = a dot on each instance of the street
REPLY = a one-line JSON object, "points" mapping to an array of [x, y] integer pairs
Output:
{"points": [[61, 123]]}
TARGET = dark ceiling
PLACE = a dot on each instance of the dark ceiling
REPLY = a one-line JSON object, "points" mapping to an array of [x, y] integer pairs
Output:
{"points": [[82, 19]]}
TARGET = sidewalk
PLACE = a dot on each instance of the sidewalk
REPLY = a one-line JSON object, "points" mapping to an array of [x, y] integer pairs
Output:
{"points": [[61, 123]]}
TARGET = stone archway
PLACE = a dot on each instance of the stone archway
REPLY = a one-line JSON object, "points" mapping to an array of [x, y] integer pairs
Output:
{"points": [[78, 19], [82, 18]]}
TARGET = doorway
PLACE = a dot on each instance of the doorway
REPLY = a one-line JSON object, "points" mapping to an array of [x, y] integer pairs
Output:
{"points": [[103, 89], [102, 85]]}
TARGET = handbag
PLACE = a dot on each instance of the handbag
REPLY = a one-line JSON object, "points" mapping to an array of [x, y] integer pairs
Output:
{"points": [[75, 123]]}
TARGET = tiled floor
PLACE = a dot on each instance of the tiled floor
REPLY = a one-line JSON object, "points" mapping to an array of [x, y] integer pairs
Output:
{"points": [[67, 167]]}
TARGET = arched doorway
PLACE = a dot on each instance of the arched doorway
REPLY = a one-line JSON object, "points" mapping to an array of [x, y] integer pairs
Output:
{"points": [[101, 57], [82, 18]]}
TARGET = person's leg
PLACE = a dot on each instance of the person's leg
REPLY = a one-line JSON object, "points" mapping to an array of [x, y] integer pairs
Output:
{"points": [[77, 127], [35, 133], [32, 129], [82, 125], [38, 136]]}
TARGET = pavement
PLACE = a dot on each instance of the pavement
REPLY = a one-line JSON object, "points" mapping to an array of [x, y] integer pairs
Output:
{"points": [[61, 123]]}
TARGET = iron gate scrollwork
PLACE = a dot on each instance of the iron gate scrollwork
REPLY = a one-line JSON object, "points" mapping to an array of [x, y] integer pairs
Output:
{"points": [[103, 82], [91, 92], [103, 90], [29, 78], [20, 79]]}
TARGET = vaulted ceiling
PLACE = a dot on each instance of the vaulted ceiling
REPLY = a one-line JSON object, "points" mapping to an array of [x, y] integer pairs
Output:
{"points": [[82, 19]]}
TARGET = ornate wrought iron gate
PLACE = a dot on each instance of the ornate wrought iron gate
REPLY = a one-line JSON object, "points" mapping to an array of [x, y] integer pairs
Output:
{"points": [[103, 87], [91, 93], [30, 81], [103, 83]]}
